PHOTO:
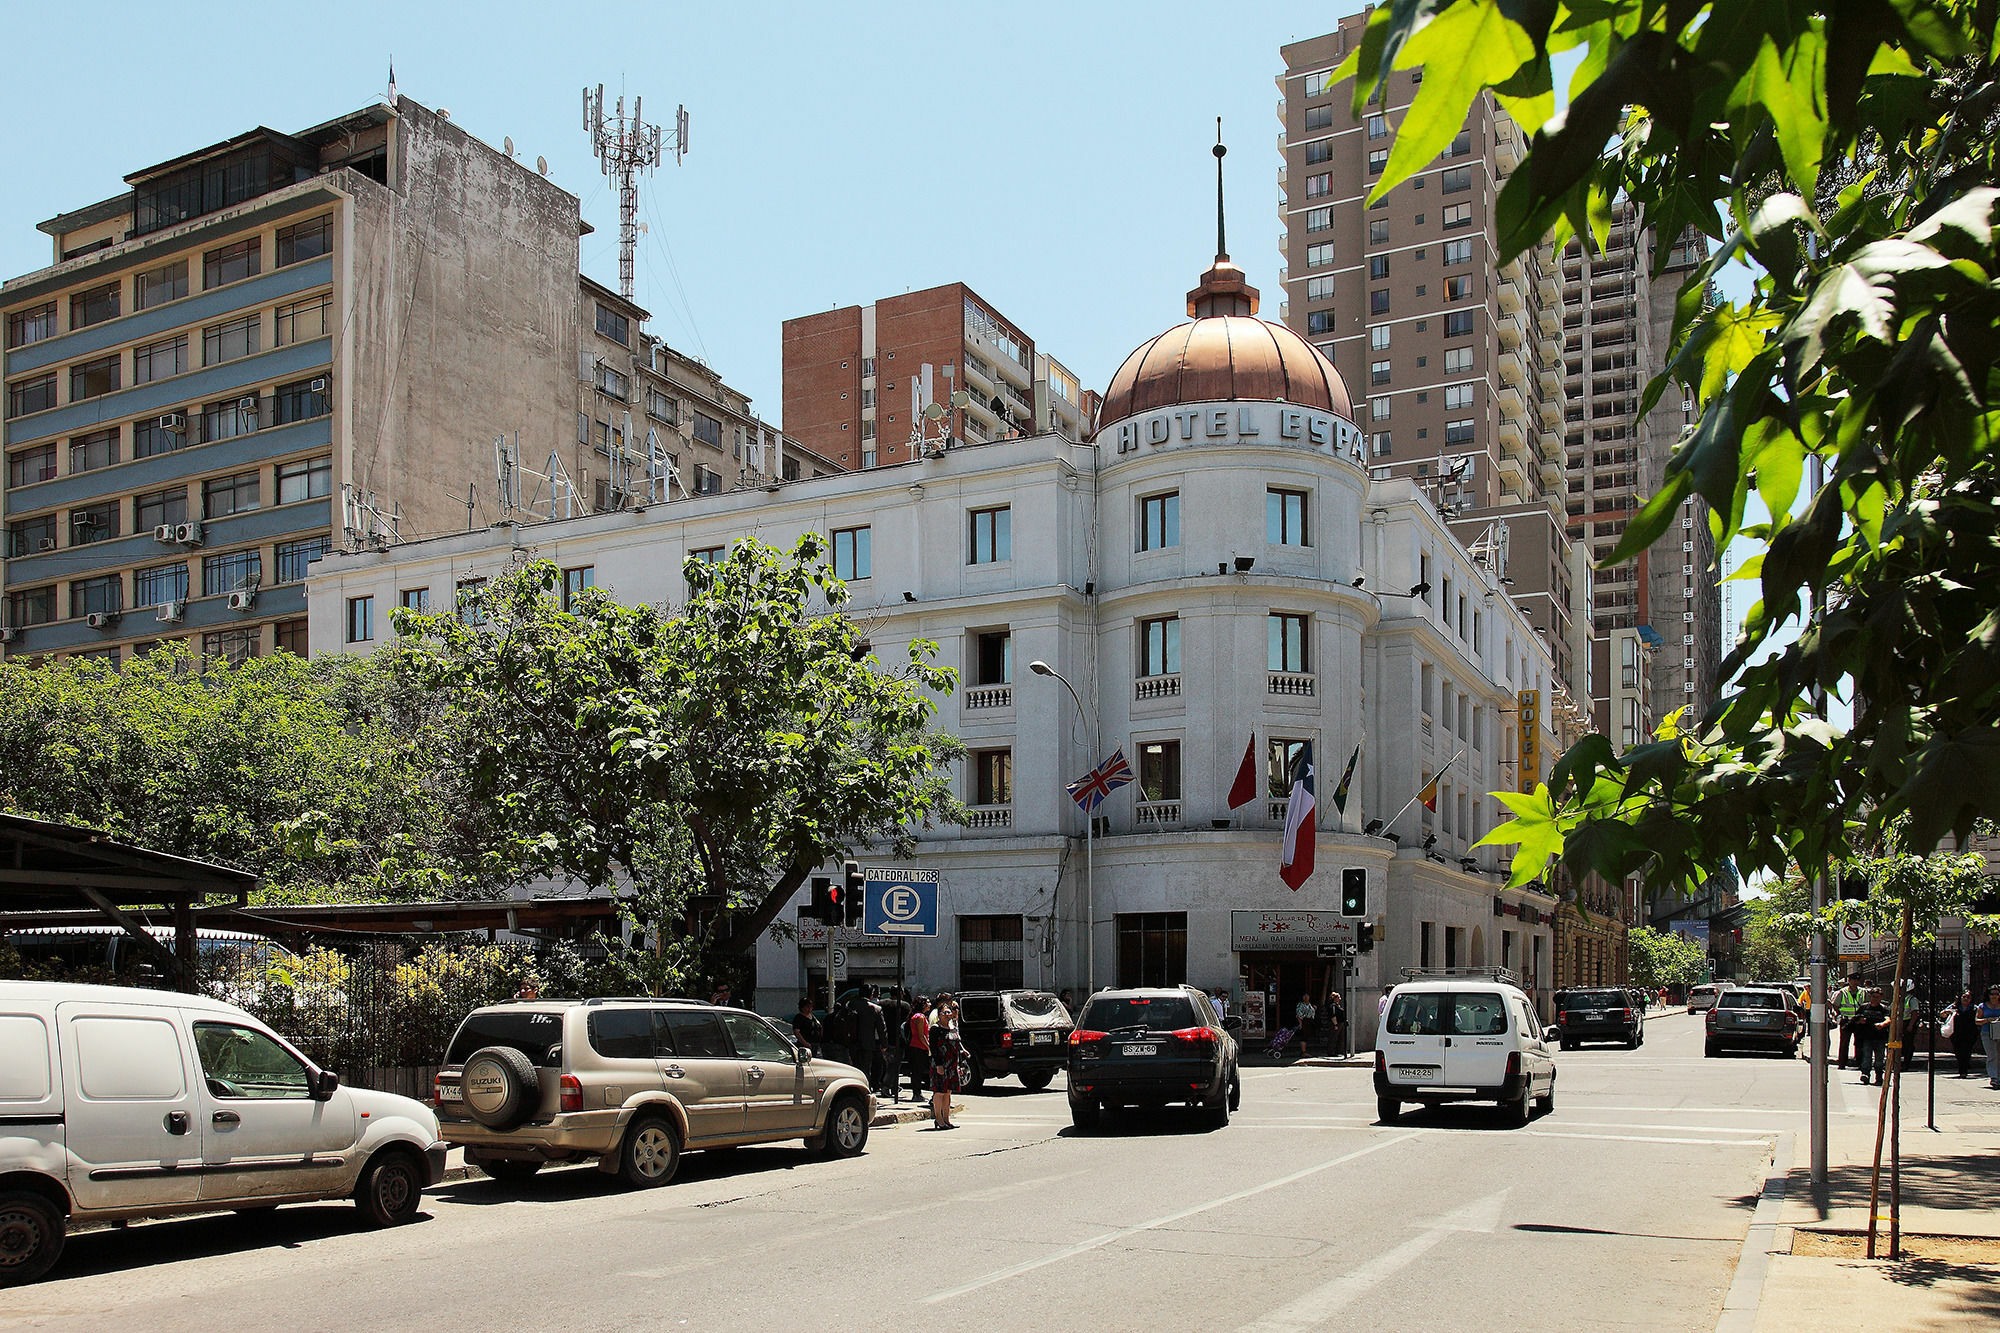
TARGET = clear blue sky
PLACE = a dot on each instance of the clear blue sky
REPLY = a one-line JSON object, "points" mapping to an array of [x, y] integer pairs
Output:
{"points": [[1054, 156]]}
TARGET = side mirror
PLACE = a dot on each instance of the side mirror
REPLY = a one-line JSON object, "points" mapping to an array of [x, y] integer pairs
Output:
{"points": [[800, 1055], [1233, 1023], [324, 1081]]}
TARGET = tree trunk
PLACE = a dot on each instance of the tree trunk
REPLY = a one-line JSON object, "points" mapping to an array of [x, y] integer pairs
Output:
{"points": [[744, 930], [1891, 1075]]}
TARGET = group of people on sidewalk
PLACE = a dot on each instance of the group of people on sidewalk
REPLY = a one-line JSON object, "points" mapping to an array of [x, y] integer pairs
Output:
{"points": [[1969, 1025], [883, 1034]]}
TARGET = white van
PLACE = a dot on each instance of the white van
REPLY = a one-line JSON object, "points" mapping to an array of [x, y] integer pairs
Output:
{"points": [[120, 1103], [1703, 997], [1462, 1035]]}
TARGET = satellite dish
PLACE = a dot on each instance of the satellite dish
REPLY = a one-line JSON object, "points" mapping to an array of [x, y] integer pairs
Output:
{"points": [[960, 398], [542, 165], [508, 144], [934, 411]]}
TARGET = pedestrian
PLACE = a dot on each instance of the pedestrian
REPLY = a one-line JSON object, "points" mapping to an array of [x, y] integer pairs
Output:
{"points": [[871, 1036], [1871, 1035], [806, 1029], [720, 996], [528, 991], [1336, 1025], [1961, 1029], [840, 1030], [919, 1035], [945, 1047], [895, 1027], [1221, 998], [1987, 1019], [1846, 1001], [1306, 1016], [1068, 998], [1382, 1004]]}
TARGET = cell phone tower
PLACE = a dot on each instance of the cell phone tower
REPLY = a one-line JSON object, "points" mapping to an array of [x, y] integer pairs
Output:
{"points": [[626, 146]]}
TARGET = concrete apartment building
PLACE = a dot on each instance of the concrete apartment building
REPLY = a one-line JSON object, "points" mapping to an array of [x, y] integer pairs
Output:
{"points": [[849, 374]]}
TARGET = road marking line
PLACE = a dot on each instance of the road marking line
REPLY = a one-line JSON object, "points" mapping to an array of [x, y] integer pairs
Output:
{"points": [[1322, 1303], [1112, 1237], [1639, 1138]]}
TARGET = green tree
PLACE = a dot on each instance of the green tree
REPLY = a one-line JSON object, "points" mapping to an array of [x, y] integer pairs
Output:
{"points": [[1867, 342], [1772, 951], [709, 759], [1664, 958]]}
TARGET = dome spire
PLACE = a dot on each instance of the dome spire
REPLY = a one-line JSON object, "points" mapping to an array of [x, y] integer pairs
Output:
{"points": [[1223, 289]]}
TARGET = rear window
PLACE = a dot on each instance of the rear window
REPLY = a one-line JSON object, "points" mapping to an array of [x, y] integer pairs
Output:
{"points": [[1160, 1013], [1037, 1008], [979, 1008], [535, 1033], [1440, 1013], [1595, 999], [1751, 999]]}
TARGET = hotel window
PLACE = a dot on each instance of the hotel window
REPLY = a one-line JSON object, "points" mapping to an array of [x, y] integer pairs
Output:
{"points": [[291, 636], [1320, 321], [94, 378], [226, 420], [1378, 443], [1280, 758], [1378, 267], [169, 282], [235, 646], [1458, 324], [1285, 643], [1378, 372], [294, 556], [1457, 252], [31, 395], [305, 240], [230, 340], [228, 573], [575, 582], [1457, 360], [1319, 256], [89, 452], [32, 606], [1160, 646], [990, 953], [25, 467], [1319, 186], [1378, 301], [231, 263], [993, 658], [1285, 518], [1378, 338], [1319, 219], [1458, 288], [96, 596], [1458, 398], [308, 480], [156, 361], [1152, 948], [853, 556], [1459, 146], [1457, 215], [360, 619], [1160, 771], [30, 536], [1458, 432], [868, 367], [158, 508], [992, 777], [31, 325], [1377, 159], [1320, 150], [149, 437], [1378, 409], [1378, 128], [94, 523], [1319, 289], [417, 600], [302, 321], [1317, 84], [161, 583], [1457, 179], [612, 325], [223, 496], [991, 536], [1378, 231], [1160, 521], [301, 400], [94, 306], [1319, 117]]}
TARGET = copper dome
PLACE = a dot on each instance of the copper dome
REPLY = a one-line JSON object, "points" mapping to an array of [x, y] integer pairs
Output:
{"points": [[1224, 353]]}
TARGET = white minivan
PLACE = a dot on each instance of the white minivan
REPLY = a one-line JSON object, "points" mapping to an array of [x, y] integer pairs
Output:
{"points": [[118, 1103], [1462, 1035]]}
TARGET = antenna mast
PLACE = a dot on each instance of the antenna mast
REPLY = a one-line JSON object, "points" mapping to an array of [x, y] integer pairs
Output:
{"points": [[625, 146]]}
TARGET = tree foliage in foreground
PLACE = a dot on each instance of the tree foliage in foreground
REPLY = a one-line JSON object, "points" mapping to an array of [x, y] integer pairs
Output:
{"points": [[1868, 342], [712, 757]]}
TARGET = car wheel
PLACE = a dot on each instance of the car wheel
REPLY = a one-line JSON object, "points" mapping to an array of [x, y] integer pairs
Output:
{"points": [[1387, 1109], [1632, 1042], [391, 1189], [1520, 1111], [974, 1076], [510, 1168], [650, 1152], [1215, 1111], [1711, 1050], [1568, 1045], [1546, 1103], [1085, 1114], [1036, 1080], [31, 1237], [847, 1126], [1235, 1090]]}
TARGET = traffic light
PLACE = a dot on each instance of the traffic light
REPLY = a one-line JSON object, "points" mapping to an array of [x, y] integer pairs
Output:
{"points": [[825, 905], [1354, 892], [1364, 937], [1854, 887], [850, 898]]}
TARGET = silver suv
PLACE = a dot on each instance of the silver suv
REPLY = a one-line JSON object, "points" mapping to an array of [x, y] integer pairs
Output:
{"points": [[634, 1082]]}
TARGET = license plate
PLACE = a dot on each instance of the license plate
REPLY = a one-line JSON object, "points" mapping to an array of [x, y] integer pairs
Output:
{"points": [[450, 1092], [1139, 1050], [1594, 1017], [1756, 1019], [1420, 1071], [1042, 1039]]}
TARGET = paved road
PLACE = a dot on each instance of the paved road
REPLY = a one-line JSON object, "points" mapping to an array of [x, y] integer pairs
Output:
{"points": [[1625, 1208]]}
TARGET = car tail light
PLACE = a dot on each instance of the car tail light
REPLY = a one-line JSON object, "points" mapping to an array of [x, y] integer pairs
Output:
{"points": [[1628, 1015], [1513, 1064], [1006, 1040], [572, 1093], [1710, 1020], [1563, 1017], [437, 1090], [1382, 1063], [1085, 1037], [1196, 1036]]}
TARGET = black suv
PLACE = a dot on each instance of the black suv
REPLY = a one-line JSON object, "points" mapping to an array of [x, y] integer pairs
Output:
{"points": [[1020, 1032], [1148, 1047], [1599, 1014]]}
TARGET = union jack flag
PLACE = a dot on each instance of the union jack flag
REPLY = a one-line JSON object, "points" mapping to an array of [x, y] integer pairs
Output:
{"points": [[1091, 790]]}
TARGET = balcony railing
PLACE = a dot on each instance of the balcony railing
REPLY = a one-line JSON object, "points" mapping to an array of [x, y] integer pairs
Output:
{"points": [[1157, 687], [989, 816], [989, 696], [1159, 814], [1292, 683], [1275, 811]]}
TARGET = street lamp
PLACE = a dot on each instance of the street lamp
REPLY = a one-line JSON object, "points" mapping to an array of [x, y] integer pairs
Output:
{"points": [[1041, 668]]}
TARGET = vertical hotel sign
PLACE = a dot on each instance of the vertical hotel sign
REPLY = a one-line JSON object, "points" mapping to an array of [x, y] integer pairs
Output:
{"points": [[1531, 739]]}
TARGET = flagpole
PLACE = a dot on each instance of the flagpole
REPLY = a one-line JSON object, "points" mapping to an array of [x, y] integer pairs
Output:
{"points": [[1426, 787], [1042, 668]]}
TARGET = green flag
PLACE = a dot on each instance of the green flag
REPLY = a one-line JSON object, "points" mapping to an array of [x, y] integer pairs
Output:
{"points": [[1346, 781]]}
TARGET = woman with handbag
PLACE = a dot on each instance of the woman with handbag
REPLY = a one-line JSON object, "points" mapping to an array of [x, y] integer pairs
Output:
{"points": [[945, 1050]]}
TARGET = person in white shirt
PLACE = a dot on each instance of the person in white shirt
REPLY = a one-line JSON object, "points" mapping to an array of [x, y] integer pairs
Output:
{"points": [[1382, 1005]]}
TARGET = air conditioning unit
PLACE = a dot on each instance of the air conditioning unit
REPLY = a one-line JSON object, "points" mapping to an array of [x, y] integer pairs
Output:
{"points": [[166, 532], [101, 619], [188, 534], [242, 599], [319, 385], [7, 633], [170, 612], [173, 421], [246, 404], [45, 543]]}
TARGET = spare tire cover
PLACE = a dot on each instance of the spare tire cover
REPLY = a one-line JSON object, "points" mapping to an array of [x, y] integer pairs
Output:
{"points": [[501, 1087]]}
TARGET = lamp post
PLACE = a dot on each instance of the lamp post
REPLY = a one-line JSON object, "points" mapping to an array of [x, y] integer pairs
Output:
{"points": [[1042, 668]]}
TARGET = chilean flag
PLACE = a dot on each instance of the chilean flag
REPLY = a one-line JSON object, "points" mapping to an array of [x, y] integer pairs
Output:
{"points": [[1295, 866]]}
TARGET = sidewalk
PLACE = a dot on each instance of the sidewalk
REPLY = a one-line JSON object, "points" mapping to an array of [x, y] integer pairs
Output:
{"points": [[1816, 1274]]}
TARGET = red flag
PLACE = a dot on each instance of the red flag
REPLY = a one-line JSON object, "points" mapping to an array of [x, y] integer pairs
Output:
{"points": [[1244, 789]]}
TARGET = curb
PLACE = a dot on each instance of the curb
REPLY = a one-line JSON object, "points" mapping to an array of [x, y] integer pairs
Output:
{"points": [[1753, 1264], [905, 1115]]}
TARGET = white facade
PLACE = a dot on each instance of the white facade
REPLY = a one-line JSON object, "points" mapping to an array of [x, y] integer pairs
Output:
{"points": [[1088, 565]]}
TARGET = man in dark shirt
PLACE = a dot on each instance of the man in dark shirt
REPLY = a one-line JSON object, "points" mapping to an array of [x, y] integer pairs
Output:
{"points": [[895, 1024], [1871, 1034], [805, 1027]]}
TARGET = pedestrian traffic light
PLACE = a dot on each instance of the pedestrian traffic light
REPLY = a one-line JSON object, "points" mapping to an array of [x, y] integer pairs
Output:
{"points": [[851, 895], [1854, 887], [1354, 892], [825, 909], [1364, 937]]}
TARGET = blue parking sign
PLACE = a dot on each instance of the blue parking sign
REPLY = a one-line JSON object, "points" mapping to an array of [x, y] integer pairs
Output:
{"points": [[897, 902]]}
